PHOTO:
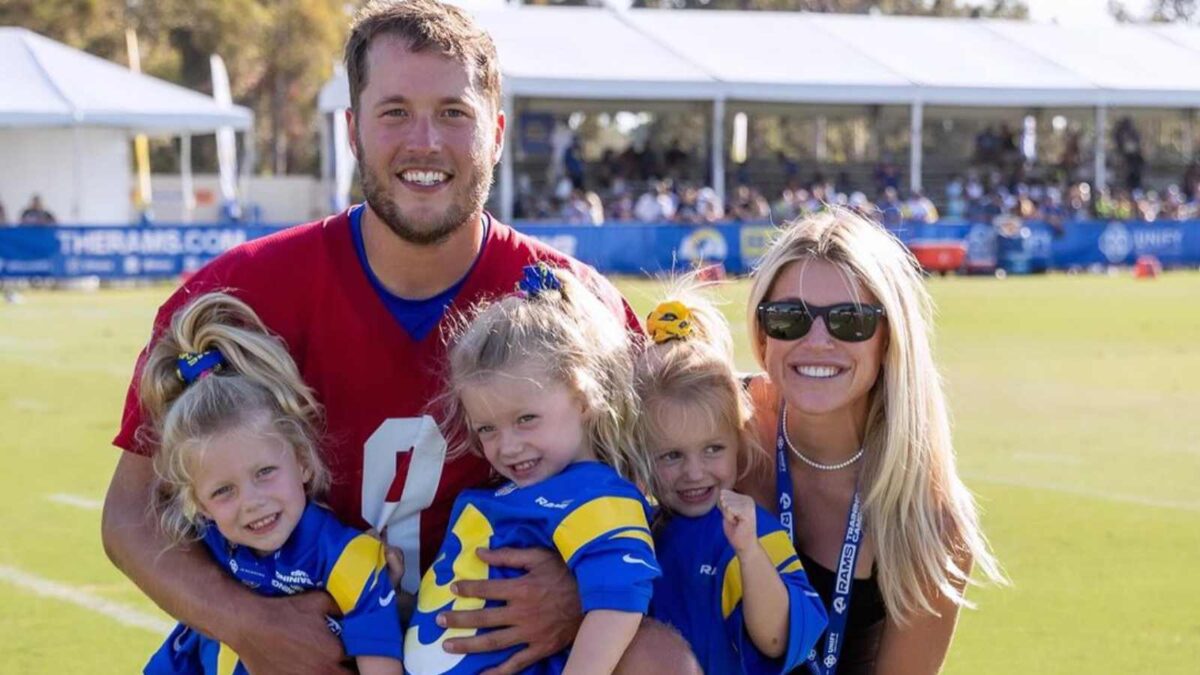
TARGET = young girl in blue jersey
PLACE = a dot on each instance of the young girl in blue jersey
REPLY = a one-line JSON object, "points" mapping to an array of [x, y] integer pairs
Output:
{"points": [[732, 583], [540, 383], [238, 468]]}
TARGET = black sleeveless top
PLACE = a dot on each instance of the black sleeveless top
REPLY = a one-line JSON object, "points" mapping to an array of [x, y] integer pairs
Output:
{"points": [[864, 626]]}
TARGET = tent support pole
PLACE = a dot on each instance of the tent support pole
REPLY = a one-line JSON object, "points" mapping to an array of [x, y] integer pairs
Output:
{"points": [[186, 189], [341, 161], [507, 184], [820, 139], [76, 177], [874, 114], [249, 159], [916, 123], [328, 182], [1189, 146], [1101, 165], [717, 149]]}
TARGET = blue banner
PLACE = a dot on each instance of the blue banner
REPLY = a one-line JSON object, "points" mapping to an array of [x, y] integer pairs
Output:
{"points": [[1017, 247], [116, 252], [1075, 244], [651, 249]]}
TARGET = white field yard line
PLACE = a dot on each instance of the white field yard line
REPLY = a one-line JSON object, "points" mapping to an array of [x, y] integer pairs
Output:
{"points": [[76, 501], [81, 598], [1085, 492]]}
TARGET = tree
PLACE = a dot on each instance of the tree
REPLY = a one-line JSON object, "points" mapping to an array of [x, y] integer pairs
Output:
{"points": [[1160, 11], [278, 52], [992, 8]]}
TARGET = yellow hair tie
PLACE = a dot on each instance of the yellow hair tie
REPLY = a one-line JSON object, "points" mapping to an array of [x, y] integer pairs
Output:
{"points": [[669, 321]]}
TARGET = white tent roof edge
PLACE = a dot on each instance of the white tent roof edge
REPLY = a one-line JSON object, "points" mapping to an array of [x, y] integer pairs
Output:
{"points": [[698, 74], [188, 111]]}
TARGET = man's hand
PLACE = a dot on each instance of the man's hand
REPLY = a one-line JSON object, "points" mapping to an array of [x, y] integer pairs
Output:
{"points": [[292, 637], [541, 609]]}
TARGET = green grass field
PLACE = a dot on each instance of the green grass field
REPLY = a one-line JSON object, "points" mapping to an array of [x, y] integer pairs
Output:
{"points": [[1071, 400]]}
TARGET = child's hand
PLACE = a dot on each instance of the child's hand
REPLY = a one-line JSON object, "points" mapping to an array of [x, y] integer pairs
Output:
{"points": [[395, 564], [739, 522], [393, 556]]}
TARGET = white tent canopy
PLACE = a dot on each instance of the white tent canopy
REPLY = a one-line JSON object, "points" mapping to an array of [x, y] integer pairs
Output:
{"points": [[563, 52], [1135, 66], [794, 57], [774, 56], [576, 53], [960, 62], [645, 54], [65, 122], [48, 84]]}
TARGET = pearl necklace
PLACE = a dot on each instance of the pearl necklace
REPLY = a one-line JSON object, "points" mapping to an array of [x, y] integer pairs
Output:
{"points": [[814, 464]]}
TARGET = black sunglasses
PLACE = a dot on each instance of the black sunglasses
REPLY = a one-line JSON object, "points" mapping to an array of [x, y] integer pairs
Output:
{"points": [[792, 319]]}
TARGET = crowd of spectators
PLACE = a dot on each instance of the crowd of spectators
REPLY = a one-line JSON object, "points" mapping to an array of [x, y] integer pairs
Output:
{"points": [[979, 199], [1005, 178], [1000, 183], [642, 185], [639, 185], [636, 185]]}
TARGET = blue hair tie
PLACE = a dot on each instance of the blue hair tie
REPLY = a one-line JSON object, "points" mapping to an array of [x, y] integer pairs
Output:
{"points": [[538, 279], [191, 366]]}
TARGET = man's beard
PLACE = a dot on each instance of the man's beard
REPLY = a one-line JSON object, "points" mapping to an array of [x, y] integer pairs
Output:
{"points": [[437, 229]]}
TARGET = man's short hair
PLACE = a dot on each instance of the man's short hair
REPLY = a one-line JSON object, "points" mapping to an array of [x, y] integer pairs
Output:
{"points": [[424, 25]]}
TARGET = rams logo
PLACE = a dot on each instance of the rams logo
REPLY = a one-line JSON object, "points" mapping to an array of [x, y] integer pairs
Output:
{"points": [[704, 245]]}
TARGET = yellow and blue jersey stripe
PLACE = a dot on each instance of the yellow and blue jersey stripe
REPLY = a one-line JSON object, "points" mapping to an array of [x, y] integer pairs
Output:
{"points": [[322, 554], [596, 520], [700, 594]]}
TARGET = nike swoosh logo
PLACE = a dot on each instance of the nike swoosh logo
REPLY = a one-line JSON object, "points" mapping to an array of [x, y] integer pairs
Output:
{"points": [[179, 640], [387, 599], [637, 561]]}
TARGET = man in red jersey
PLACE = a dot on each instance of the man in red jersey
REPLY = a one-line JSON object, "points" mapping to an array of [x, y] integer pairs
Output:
{"points": [[360, 298]]}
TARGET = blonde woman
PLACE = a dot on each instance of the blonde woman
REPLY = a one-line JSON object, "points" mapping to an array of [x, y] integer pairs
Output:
{"points": [[863, 472]]}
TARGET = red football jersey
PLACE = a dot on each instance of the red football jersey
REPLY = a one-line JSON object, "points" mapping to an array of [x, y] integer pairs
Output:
{"points": [[385, 452]]}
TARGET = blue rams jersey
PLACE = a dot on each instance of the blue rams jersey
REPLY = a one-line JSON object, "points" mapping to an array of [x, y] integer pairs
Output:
{"points": [[594, 518], [321, 554], [700, 594]]}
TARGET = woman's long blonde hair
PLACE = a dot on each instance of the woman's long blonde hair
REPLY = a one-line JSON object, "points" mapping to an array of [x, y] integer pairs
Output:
{"points": [[577, 340], [921, 517], [258, 382], [695, 369]]}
